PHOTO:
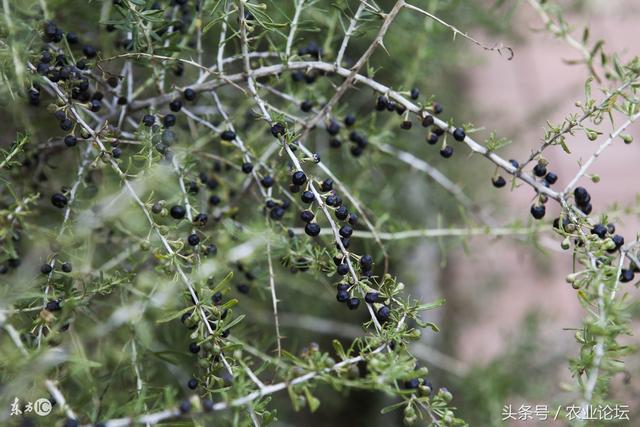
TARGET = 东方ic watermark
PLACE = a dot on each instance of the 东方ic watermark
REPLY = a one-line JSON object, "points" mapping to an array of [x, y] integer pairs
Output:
{"points": [[40, 407]]}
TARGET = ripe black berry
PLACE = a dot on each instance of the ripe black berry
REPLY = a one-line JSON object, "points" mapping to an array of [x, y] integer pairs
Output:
{"points": [[346, 231], [298, 178], [437, 108], [207, 405], [599, 230], [89, 51], [71, 422], [427, 121], [342, 295], [406, 125], [618, 240], [193, 239], [383, 313], [342, 213], [626, 275], [277, 213], [66, 125], [185, 406], [59, 200], [148, 120], [551, 178], [327, 185], [307, 197], [581, 196], [381, 103], [201, 219], [189, 94], [371, 297], [53, 305], [46, 269], [267, 181], [459, 134], [356, 151], [353, 303], [247, 167], [277, 129], [175, 105], [194, 348], [366, 262], [415, 93], [307, 216], [538, 211], [333, 127], [177, 211], [540, 170], [169, 120], [343, 269], [349, 120], [67, 267], [70, 141], [345, 243], [228, 135], [312, 229], [447, 152], [341, 286], [586, 209], [306, 106], [211, 250], [498, 182], [95, 105], [116, 152], [432, 139]]}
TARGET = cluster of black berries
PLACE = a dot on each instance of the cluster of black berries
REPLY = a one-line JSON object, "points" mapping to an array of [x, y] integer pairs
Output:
{"points": [[199, 221], [604, 231], [245, 286], [498, 181], [583, 200], [209, 352], [359, 140], [385, 104], [177, 19], [169, 119], [538, 210], [57, 67], [47, 268]]}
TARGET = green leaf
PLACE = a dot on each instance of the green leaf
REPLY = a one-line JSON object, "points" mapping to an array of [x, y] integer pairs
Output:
{"points": [[337, 346], [223, 282], [235, 321], [393, 407], [430, 306], [313, 401], [174, 315]]}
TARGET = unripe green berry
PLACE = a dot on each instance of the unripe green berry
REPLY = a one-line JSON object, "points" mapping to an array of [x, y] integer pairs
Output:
{"points": [[410, 415]]}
